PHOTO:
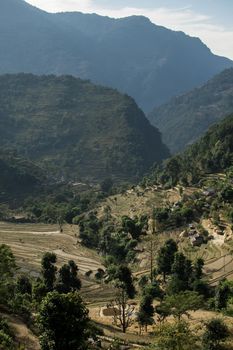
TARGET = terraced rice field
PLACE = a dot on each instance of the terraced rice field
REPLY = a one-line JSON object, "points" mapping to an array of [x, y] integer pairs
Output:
{"points": [[30, 241]]}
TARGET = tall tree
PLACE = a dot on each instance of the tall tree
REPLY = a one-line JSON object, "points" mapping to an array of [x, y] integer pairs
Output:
{"points": [[198, 269], [165, 257], [63, 322], [49, 270], [222, 294], [182, 273], [123, 310], [124, 276], [68, 279], [7, 270], [146, 312]]}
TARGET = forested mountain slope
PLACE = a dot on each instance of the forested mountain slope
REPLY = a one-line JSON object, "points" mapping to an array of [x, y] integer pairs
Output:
{"points": [[185, 118], [18, 177], [76, 129], [211, 154]]}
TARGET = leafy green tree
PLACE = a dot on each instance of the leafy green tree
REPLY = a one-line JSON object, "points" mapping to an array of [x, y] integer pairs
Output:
{"points": [[198, 269], [7, 270], [24, 285], [146, 312], [180, 304], [181, 274], [143, 282], [222, 295], [175, 336], [134, 226], [63, 322], [124, 276], [68, 279], [21, 304], [39, 291], [215, 334], [165, 257], [202, 288], [153, 290], [49, 270]]}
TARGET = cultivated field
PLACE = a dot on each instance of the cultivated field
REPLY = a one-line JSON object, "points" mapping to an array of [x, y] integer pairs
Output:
{"points": [[30, 241]]}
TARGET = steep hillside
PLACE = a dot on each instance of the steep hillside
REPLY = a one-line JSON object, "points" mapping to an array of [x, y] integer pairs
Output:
{"points": [[187, 117], [18, 177], [148, 62], [76, 129], [211, 154]]}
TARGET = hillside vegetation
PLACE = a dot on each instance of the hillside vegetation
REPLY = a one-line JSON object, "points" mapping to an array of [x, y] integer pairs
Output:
{"points": [[185, 118], [76, 129], [211, 154], [18, 177], [146, 61]]}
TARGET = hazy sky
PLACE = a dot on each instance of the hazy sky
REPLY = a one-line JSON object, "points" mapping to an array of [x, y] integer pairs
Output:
{"points": [[211, 20]]}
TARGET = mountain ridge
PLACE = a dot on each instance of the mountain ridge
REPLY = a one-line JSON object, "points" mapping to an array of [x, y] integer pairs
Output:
{"points": [[212, 153], [148, 62], [76, 129], [187, 117]]}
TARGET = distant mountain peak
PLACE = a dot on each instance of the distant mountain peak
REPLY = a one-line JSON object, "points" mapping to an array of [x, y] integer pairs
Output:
{"points": [[125, 53]]}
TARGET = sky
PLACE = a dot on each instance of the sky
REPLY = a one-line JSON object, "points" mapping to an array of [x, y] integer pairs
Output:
{"points": [[210, 20]]}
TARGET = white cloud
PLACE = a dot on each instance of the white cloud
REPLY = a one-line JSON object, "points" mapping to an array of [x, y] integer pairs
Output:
{"points": [[216, 37], [62, 5]]}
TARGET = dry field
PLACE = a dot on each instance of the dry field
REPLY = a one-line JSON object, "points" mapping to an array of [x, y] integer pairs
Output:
{"points": [[30, 241]]}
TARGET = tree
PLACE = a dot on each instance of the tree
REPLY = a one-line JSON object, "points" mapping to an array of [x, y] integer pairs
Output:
{"points": [[146, 312], [24, 285], [7, 270], [49, 270], [179, 304], [153, 290], [68, 278], [215, 334], [198, 269], [175, 336], [134, 226], [123, 311], [222, 294], [143, 282], [123, 275], [39, 290], [63, 322], [165, 257], [181, 274]]}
